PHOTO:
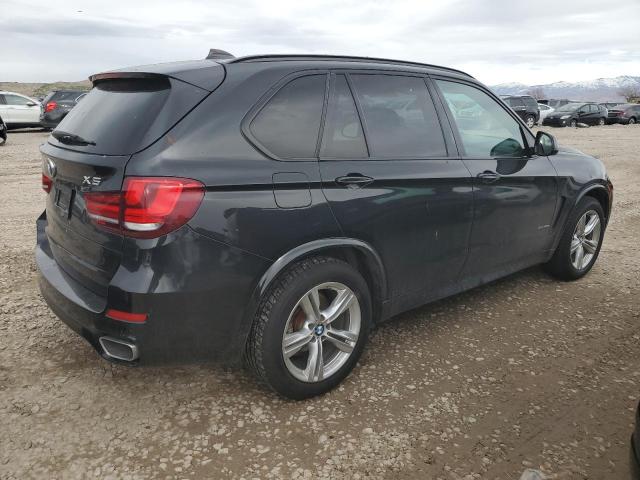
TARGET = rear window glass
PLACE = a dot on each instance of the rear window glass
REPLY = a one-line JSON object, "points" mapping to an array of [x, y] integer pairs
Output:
{"points": [[289, 124], [123, 116], [399, 115], [64, 96]]}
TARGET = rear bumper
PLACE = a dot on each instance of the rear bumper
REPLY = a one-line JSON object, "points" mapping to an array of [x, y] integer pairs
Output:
{"points": [[48, 120], [196, 309]]}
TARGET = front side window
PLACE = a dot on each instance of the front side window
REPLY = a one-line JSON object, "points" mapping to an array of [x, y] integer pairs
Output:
{"points": [[288, 125], [16, 100], [343, 137], [399, 115], [485, 128]]}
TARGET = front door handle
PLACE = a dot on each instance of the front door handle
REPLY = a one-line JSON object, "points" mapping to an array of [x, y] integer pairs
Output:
{"points": [[354, 180], [488, 176]]}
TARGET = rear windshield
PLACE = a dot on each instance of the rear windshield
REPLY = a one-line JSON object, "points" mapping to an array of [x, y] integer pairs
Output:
{"points": [[123, 116], [64, 96]]}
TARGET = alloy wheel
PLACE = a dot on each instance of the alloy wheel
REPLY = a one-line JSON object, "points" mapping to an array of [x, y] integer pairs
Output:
{"points": [[321, 332], [585, 240]]}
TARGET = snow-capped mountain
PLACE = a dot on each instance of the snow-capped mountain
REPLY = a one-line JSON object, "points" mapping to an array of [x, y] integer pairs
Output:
{"points": [[599, 90]]}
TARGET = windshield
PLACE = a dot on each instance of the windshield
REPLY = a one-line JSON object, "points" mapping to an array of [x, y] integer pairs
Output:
{"points": [[569, 107]]}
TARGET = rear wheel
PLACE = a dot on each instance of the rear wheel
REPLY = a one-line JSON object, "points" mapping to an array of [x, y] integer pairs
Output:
{"points": [[580, 243], [310, 328]]}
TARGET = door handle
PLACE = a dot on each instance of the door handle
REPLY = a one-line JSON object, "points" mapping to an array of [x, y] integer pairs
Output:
{"points": [[354, 180], [488, 176]]}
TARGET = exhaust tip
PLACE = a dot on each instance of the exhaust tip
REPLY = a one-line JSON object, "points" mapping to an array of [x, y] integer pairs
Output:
{"points": [[119, 349]]}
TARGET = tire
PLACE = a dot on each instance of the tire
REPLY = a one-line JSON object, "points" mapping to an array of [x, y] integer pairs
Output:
{"points": [[601, 121], [281, 308], [530, 120], [631, 121], [573, 123], [563, 263]]}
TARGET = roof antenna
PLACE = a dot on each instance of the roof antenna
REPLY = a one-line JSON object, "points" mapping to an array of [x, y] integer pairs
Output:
{"points": [[216, 54]]}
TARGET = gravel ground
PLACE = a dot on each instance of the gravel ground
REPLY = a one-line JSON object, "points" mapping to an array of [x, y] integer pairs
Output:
{"points": [[525, 372]]}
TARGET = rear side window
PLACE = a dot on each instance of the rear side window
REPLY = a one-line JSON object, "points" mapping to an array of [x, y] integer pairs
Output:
{"points": [[343, 137], [123, 116], [289, 124], [16, 100], [399, 115], [530, 103]]}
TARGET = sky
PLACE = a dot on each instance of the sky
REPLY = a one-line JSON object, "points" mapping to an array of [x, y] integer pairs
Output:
{"points": [[496, 41]]}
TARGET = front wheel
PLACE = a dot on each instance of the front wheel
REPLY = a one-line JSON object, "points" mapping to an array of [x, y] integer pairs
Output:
{"points": [[530, 121], [580, 243], [574, 123], [310, 328], [632, 121], [601, 121]]}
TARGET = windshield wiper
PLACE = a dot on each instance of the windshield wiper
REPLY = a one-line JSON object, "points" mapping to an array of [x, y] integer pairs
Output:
{"points": [[71, 138]]}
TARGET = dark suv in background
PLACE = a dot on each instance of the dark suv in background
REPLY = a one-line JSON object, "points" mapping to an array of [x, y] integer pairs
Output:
{"points": [[525, 106], [275, 208], [57, 104]]}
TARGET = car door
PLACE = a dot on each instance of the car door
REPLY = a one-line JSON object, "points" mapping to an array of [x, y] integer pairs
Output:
{"points": [[5, 112], [391, 178], [515, 194], [22, 110]]}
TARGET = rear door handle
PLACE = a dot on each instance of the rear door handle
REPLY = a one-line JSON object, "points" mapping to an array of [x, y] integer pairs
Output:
{"points": [[354, 180], [488, 176]]}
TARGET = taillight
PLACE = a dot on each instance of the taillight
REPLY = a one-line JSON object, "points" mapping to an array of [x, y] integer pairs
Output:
{"points": [[47, 183], [50, 106], [147, 207]]}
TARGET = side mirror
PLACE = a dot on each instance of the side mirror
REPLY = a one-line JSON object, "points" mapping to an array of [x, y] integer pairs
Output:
{"points": [[545, 144]]}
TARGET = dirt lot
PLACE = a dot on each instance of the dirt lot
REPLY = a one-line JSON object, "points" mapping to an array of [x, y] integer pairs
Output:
{"points": [[526, 372]]}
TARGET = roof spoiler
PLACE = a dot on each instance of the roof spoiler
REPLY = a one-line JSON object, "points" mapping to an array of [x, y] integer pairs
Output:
{"points": [[217, 54]]}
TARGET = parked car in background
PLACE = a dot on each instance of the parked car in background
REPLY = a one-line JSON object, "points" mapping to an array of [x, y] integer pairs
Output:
{"points": [[545, 110], [282, 228], [627, 114], [525, 106], [573, 113], [3, 132], [57, 104], [19, 111], [608, 105]]}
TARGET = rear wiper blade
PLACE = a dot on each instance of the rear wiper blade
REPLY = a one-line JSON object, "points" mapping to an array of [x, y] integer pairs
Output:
{"points": [[70, 138]]}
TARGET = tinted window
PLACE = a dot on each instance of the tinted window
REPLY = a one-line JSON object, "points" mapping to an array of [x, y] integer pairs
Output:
{"points": [[531, 103], [399, 116], [343, 137], [516, 102], [123, 116], [288, 125], [66, 96], [16, 100], [485, 128]]}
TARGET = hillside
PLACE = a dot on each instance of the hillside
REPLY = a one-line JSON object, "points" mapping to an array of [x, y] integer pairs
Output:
{"points": [[41, 89], [599, 90]]}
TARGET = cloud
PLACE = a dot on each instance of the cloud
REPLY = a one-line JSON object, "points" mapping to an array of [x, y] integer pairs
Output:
{"points": [[496, 40]]}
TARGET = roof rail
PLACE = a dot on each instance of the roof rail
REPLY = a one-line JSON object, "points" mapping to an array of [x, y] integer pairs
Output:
{"points": [[348, 58]]}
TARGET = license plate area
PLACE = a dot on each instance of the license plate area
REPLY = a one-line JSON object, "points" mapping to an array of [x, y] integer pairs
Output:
{"points": [[64, 199]]}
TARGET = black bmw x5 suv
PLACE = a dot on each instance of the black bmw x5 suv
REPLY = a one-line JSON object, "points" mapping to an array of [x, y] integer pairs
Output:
{"points": [[273, 209]]}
